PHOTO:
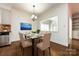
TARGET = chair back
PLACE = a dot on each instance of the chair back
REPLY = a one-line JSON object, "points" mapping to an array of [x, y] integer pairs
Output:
{"points": [[22, 39], [46, 39]]}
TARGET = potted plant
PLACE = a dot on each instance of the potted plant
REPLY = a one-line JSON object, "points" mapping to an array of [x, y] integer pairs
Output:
{"points": [[38, 31]]}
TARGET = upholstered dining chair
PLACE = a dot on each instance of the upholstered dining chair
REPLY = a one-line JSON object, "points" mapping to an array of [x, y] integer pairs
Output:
{"points": [[45, 43], [24, 42]]}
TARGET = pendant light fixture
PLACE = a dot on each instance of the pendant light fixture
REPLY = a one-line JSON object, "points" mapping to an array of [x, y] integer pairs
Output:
{"points": [[34, 17]]}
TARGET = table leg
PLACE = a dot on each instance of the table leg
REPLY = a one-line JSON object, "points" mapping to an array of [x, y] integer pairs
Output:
{"points": [[32, 47]]}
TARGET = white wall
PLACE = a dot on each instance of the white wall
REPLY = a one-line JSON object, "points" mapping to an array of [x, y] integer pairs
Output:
{"points": [[17, 18], [61, 10]]}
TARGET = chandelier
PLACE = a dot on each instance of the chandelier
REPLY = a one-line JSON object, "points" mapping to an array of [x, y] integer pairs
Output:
{"points": [[34, 17]]}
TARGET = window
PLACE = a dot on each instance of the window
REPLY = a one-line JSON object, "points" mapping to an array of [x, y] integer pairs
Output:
{"points": [[44, 27], [54, 23], [50, 24]]}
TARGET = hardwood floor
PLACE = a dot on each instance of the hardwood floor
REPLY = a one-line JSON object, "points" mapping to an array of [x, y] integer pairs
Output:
{"points": [[15, 50], [75, 45]]}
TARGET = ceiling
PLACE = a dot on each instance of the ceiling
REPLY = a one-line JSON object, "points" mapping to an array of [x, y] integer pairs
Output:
{"points": [[28, 7]]}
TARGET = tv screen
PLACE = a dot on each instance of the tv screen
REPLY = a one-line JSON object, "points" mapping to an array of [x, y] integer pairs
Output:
{"points": [[25, 26]]}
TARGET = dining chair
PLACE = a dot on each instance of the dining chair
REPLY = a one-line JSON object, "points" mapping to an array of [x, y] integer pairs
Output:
{"points": [[24, 42], [45, 43]]}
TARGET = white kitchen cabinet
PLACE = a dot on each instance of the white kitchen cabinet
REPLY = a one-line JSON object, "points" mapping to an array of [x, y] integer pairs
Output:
{"points": [[5, 16]]}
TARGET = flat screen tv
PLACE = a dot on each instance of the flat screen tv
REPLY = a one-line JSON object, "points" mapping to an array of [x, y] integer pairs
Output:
{"points": [[25, 26]]}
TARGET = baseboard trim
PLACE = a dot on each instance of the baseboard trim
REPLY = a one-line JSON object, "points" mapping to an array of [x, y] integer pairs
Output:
{"points": [[58, 44]]}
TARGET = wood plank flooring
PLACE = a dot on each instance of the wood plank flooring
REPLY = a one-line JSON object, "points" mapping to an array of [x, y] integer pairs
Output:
{"points": [[15, 50]]}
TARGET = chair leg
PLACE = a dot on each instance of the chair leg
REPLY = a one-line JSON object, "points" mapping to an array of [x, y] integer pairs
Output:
{"points": [[49, 51], [43, 53], [23, 51], [39, 40], [37, 51]]}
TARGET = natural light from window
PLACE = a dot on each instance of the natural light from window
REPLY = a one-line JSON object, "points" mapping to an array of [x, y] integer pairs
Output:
{"points": [[50, 24]]}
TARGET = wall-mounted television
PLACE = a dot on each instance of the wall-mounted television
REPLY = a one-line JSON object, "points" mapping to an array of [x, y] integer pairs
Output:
{"points": [[25, 26]]}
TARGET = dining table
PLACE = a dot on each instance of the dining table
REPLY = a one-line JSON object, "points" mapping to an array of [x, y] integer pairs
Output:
{"points": [[33, 36]]}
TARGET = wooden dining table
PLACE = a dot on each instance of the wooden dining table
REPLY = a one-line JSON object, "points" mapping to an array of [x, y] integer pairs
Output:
{"points": [[33, 46], [33, 37]]}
